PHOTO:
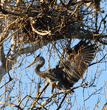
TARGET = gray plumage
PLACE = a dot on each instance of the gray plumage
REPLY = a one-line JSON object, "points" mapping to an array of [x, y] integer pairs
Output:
{"points": [[71, 69], [56, 77], [77, 60]]}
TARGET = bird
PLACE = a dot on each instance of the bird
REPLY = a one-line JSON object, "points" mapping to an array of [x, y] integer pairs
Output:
{"points": [[68, 72], [56, 77], [77, 60]]}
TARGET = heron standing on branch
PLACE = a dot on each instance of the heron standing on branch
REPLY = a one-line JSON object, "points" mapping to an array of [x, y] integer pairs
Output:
{"points": [[71, 69], [56, 77]]}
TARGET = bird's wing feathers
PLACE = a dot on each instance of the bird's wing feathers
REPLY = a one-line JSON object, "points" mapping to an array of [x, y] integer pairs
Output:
{"points": [[80, 61]]}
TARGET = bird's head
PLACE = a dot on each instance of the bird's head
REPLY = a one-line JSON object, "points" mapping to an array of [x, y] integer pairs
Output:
{"points": [[34, 61]]}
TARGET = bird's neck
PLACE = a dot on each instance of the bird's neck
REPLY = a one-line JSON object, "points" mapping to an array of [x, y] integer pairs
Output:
{"points": [[38, 66]]}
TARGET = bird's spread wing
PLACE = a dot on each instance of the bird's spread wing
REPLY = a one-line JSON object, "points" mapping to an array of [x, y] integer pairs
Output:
{"points": [[79, 62]]}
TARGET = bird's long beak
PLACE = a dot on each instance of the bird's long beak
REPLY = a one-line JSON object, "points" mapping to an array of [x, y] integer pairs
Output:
{"points": [[31, 63]]}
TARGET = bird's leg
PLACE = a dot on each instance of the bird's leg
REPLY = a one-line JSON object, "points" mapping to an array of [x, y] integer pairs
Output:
{"points": [[53, 85]]}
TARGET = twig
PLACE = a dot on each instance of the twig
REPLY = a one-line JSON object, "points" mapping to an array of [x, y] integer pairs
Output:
{"points": [[98, 61], [45, 102], [61, 101], [6, 83], [37, 98], [11, 104]]}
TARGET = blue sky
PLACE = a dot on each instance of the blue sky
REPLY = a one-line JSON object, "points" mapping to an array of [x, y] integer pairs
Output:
{"points": [[23, 78]]}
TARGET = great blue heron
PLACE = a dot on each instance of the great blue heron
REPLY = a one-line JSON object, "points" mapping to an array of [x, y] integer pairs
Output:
{"points": [[71, 70], [56, 77]]}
